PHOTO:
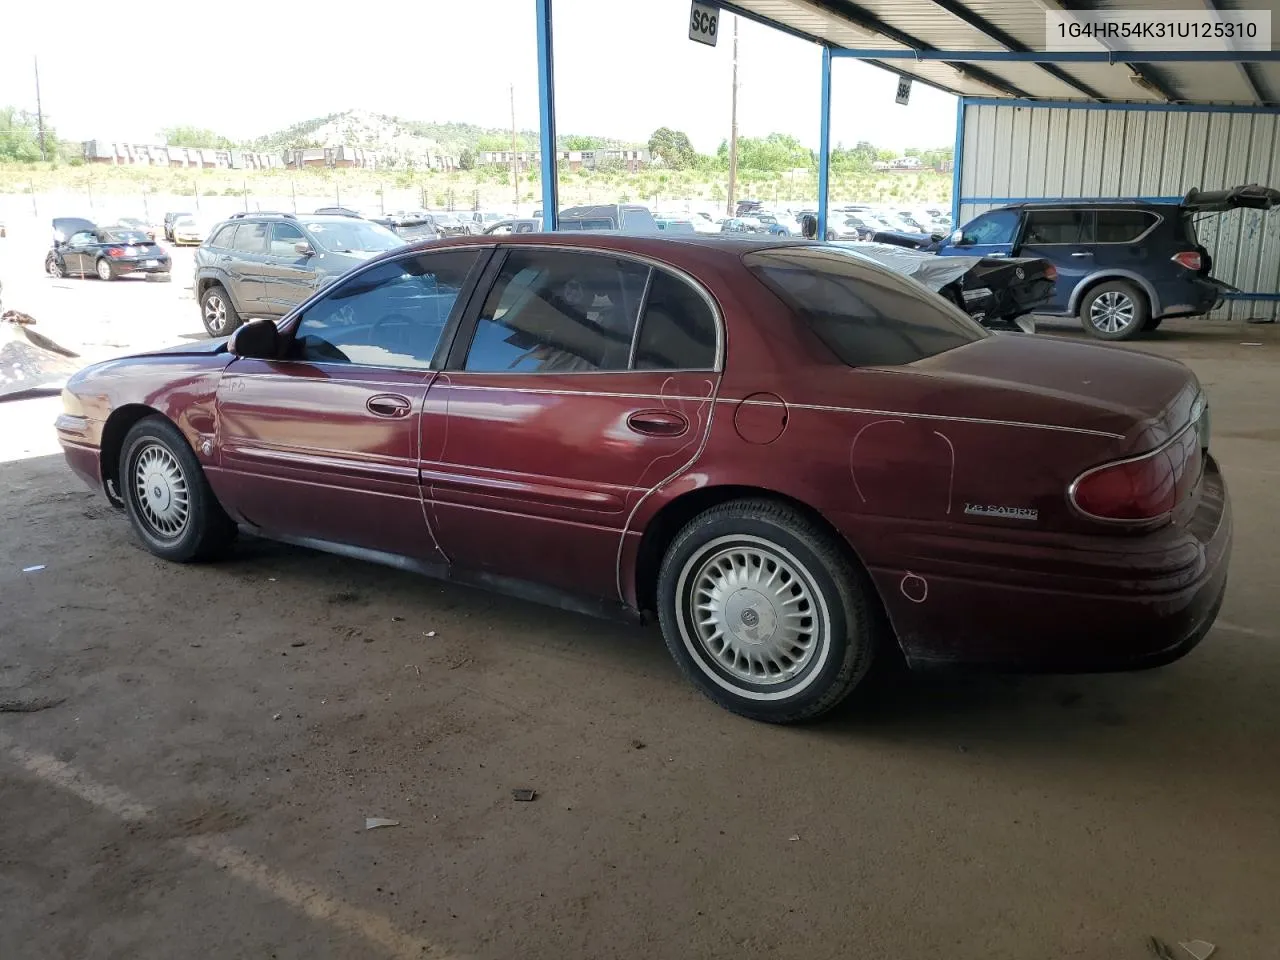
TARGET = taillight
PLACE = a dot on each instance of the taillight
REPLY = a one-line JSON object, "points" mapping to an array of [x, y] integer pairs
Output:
{"points": [[114, 252], [1188, 258], [1050, 271], [1141, 489]]}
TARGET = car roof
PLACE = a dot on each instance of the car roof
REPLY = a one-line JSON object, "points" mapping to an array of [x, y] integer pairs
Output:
{"points": [[1099, 204], [661, 246]]}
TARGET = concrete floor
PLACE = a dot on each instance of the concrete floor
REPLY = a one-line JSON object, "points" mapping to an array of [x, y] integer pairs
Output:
{"points": [[199, 747]]}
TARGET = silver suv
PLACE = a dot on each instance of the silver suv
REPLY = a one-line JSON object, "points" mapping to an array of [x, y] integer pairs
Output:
{"points": [[264, 264]]}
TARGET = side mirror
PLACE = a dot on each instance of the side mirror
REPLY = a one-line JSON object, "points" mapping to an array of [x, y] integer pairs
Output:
{"points": [[256, 340], [304, 249], [957, 238]]}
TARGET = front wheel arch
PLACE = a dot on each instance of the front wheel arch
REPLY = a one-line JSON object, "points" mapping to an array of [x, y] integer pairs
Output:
{"points": [[1087, 285], [118, 425]]}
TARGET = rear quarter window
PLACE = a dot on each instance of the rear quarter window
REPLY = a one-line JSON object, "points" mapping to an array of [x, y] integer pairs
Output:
{"points": [[866, 315], [1123, 226]]}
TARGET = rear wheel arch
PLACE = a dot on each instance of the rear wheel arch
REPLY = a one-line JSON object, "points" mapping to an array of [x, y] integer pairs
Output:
{"points": [[1086, 286], [118, 425], [667, 523]]}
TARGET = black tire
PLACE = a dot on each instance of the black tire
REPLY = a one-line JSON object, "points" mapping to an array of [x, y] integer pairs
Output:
{"points": [[1120, 313], [795, 683], [102, 268], [1153, 323], [53, 267], [215, 303], [156, 452]]}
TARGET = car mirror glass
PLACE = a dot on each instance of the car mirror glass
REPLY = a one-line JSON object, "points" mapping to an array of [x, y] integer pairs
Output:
{"points": [[304, 249], [958, 239], [257, 340]]}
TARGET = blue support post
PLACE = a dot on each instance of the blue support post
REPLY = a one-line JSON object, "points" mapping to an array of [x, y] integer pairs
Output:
{"points": [[824, 142], [957, 156], [547, 118]]}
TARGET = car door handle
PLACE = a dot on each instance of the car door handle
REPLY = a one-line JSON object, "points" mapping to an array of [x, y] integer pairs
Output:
{"points": [[388, 405], [658, 423], [1083, 253]]}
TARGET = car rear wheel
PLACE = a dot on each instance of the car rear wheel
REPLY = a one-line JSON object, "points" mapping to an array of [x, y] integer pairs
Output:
{"points": [[764, 613], [220, 317], [170, 504], [103, 267], [1115, 310]]}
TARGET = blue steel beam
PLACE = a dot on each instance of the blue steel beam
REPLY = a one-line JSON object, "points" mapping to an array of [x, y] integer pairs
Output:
{"points": [[1064, 56], [547, 118], [957, 158], [824, 142]]}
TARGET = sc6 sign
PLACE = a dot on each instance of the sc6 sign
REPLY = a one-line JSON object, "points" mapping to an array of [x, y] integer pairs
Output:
{"points": [[703, 21]]}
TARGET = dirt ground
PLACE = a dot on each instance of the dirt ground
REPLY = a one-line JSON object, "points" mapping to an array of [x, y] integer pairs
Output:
{"points": [[188, 756]]}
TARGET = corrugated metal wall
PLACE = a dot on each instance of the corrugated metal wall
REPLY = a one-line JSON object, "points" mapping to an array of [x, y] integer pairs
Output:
{"points": [[1022, 152]]}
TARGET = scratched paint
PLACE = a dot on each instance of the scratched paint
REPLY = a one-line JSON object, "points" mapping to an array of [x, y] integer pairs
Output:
{"points": [[914, 587]]}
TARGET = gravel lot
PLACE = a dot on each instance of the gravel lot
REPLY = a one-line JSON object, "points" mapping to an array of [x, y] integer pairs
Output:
{"points": [[188, 754]]}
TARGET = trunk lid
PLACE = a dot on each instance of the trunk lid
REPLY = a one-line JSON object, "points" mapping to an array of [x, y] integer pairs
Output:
{"points": [[1065, 383]]}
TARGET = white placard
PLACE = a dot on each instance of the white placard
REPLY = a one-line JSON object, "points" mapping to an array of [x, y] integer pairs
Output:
{"points": [[904, 91], [704, 23]]}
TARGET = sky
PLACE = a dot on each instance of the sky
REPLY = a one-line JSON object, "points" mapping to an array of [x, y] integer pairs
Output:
{"points": [[623, 68]]}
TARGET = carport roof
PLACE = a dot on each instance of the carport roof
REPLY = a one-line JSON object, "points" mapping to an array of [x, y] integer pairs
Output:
{"points": [[999, 49]]}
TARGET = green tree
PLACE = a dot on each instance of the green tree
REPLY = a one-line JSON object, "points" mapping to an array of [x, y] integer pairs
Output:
{"points": [[673, 147], [187, 136], [20, 136], [577, 141], [466, 160]]}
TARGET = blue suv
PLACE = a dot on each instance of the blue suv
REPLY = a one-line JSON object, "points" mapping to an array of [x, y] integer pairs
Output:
{"points": [[1123, 266]]}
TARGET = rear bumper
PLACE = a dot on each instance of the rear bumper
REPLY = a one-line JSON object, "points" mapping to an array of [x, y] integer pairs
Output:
{"points": [[140, 266], [1111, 604], [1190, 298]]}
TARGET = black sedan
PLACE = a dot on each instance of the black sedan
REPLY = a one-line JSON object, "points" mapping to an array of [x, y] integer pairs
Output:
{"points": [[81, 248], [998, 292]]}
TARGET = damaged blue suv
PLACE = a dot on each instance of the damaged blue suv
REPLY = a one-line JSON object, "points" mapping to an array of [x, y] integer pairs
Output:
{"points": [[1123, 265]]}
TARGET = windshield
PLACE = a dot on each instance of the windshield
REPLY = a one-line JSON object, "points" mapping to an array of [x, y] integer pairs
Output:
{"points": [[866, 315], [350, 236], [124, 235]]}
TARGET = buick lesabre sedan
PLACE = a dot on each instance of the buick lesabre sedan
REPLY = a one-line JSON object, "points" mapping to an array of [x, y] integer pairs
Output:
{"points": [[796, 459]]}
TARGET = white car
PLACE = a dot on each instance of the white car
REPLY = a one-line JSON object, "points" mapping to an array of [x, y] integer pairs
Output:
{"points": [[188, 230]]}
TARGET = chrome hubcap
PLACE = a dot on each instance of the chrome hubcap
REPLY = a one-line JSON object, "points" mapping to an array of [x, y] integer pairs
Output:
{"points": [[1111, 312], [752, 611], [215, 314], [160, 491], [104, 269]]}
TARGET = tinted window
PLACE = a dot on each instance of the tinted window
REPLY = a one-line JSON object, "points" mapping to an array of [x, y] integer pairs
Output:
{"points": [[1123, 226], [867, 316], [593, 224], [1056, 226], [678, 330], [224, 236], [283, 238], [390, 315], [559, 312], [251, 238], [998, 226]]}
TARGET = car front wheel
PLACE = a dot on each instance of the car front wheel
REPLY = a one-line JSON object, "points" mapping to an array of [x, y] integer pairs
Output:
{"points": [[53, 267], [765, 613], [1115, 310], [170, 504], [219, 316]]}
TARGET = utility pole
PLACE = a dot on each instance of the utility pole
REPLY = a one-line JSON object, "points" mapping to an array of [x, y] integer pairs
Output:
{"points": [[44, 154], [515, 163], [733, 128]]}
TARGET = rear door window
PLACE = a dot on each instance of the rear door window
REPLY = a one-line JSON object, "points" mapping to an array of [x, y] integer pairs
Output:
{"points": [[867, 316], [1123, 226], [250, 238], [1058, 226], [678, 328], [223, 238]]}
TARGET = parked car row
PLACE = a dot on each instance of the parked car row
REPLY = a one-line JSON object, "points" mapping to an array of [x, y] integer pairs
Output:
{"points": [[81, 248]]}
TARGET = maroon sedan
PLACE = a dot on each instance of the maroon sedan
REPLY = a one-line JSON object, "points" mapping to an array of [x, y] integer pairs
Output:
{"points": [[795, 458]]}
